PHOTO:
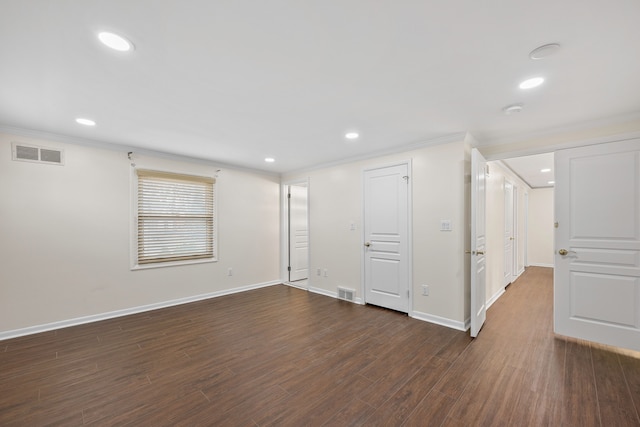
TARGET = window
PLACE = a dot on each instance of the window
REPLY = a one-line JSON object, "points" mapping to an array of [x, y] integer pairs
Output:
{"points": [[175, 217]]}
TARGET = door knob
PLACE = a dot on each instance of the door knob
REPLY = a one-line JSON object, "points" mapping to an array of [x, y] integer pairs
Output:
{"points": [[566, 252], [480, 253], [367, 244]]}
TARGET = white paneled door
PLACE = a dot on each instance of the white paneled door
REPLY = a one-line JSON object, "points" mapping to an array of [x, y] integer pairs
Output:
{"points": [[478, 242], [386, 234], [298, 234], [597, 259], [508, 233]]}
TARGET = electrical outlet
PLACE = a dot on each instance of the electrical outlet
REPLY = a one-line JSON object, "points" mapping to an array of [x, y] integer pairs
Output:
{"points": [[230, 272], [319, 272], [325, 273], [425, 290]]}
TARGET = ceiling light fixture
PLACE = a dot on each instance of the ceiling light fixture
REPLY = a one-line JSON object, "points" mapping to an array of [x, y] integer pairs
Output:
{"points": [[115, 41], [352, 135], [85, 122], [545, 170], [544, 51], [511, 109], [531, 83], [269, 160]]}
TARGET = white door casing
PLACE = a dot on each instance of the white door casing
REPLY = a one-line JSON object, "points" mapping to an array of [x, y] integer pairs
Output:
{"points": [[298, 233], [597, 243], [508, 232], [386, 236], [478, 242], [515, 243]]}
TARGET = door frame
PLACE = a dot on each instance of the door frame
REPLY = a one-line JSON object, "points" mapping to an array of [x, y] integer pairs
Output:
{"points": [[525, 255], [284, 231], [363, 237], [508, 210], [516, 235]]}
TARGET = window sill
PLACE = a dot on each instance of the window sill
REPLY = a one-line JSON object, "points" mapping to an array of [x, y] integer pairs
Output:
{"points": [[172, 264]]}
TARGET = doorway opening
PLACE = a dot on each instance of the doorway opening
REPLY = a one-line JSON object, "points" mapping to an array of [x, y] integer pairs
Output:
{"points": [[296, 204], [520, 218], [518, 198]]}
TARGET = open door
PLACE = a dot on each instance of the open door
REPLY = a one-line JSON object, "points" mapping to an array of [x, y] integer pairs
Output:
{"points": [[298, 233], [597, 259], [478, 242], [509, 223]]}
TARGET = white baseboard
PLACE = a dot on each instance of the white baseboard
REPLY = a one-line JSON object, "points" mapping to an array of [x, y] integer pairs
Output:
{"points": [[295, 285], [535, 264], [331, 294], [442, 321], [127, 311], [495, 297], [415, 314]]}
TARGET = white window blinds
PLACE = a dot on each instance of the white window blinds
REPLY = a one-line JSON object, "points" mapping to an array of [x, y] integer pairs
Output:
{"points": [[175, 217]]}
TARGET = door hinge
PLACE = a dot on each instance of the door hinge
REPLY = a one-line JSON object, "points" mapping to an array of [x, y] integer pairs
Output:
{"points": [[289, 268], [288, 195], [408, 293], [555, 224]]}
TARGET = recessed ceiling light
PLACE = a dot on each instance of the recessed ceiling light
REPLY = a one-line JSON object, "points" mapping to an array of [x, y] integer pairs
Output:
{"points": [[545, 170], [551, 182], [510, 109], [531, 83], [114, 41], [352, 135], [86, 122], [269, 160], [544, 51]]}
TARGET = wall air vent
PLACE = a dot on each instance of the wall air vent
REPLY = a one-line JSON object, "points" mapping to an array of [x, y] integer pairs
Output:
{"points": [[346, 294], [32, 153]]}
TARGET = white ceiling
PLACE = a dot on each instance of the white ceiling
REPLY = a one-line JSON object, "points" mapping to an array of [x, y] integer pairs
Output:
{"points": [[530, 169], [237, 81]]}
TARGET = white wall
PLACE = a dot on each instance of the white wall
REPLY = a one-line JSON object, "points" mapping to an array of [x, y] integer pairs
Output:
{"points": [[495, 227], [541, 231], [65, 236], [439, 181]]}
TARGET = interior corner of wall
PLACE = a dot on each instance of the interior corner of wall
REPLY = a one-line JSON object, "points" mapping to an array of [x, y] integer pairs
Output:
{"points": [[470, 140]]}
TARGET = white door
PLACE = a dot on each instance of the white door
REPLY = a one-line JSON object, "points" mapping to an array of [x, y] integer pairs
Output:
{"points": [[386, 234], [298, 233], [597, 260], [515, 243], [478, 242], [508, 233]]}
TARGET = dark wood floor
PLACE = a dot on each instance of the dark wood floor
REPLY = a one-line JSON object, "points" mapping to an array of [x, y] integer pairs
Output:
{"points": [[282, 356]]}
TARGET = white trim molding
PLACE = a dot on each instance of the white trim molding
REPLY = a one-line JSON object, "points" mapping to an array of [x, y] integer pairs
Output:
{"points": [[495, 297], [127, 311], [442, 321], [537, 264]]}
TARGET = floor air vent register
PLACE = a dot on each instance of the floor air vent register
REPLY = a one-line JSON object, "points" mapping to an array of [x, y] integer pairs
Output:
{"points": [[346, 294]]}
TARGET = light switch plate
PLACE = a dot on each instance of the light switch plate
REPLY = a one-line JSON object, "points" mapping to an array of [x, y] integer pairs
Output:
{"points": [[445, 225]]}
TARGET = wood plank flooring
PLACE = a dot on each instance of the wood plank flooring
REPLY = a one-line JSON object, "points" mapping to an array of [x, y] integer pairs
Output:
{"points": [[282, 356]]}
